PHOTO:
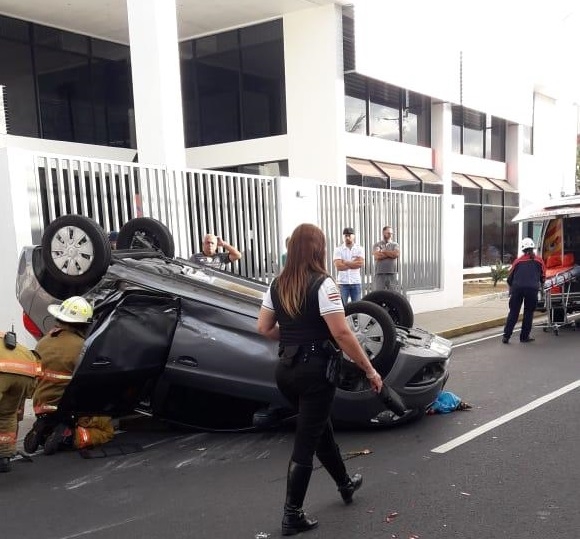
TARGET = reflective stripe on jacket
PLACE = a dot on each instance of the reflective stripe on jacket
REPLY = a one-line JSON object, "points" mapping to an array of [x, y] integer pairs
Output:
{"points": [[19, 360], [25, 367]]}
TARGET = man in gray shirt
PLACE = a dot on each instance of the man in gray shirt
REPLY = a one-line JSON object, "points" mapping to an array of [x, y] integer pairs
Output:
{"points": [[209, 255], [386, 255]]}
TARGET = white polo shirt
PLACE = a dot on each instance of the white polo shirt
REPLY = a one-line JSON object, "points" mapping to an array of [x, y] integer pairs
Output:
{"points": [[342, 252]]}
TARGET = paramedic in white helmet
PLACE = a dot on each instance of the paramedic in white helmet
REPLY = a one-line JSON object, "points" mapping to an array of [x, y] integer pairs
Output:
{"points": [[526, 276], [59, 353]]}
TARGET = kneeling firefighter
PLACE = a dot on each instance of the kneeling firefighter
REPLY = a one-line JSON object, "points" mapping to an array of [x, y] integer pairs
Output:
{"points": [[18, 370], [59, 353]]}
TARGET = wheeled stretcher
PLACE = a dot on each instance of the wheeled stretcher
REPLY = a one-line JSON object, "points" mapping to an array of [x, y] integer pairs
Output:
{"points": [[561, 299]]}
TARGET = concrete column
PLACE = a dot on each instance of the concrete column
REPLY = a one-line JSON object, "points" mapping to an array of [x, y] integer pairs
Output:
{"points": [[514, 146], [442, 143], [452, 215], [156, 82], [315, 94]]}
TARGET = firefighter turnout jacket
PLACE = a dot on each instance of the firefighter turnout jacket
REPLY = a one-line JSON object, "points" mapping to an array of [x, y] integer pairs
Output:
{"points": [[18, 370], [59, 352]]}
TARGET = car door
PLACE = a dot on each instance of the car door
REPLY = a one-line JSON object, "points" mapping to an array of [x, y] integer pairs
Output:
{"points": [[124, 355]]}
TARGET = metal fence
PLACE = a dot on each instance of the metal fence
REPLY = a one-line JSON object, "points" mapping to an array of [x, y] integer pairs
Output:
{"points": [[415, 218], [242, 209]]}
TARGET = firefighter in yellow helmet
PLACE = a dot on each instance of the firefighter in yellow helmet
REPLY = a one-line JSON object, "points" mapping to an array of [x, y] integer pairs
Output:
{"points": [[18, 369], [59, 353]]}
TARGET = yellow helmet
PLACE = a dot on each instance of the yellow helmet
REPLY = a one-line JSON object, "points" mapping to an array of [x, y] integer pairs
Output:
{"points": [[74, 310]]}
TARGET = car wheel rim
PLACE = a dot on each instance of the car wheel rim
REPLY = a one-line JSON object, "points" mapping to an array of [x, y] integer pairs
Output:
{"points": [[369, 333], [72, 250]]}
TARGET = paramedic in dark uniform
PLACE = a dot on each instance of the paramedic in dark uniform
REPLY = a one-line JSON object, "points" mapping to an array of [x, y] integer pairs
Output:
{"points": [[303, 310], [526, 276], [18, 370]]}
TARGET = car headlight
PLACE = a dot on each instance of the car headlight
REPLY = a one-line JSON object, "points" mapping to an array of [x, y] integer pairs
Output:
{"points": [[441, 346]]}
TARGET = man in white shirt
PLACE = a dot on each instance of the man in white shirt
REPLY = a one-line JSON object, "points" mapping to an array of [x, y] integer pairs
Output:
{"points": [[348, 259]]}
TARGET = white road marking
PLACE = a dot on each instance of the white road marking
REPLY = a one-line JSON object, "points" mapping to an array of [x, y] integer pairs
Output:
{"points": [[468, 436], [474, 341], [102, 528]]}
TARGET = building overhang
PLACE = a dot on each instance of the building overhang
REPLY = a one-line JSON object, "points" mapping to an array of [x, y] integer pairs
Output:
{"points": [[108, 19]]}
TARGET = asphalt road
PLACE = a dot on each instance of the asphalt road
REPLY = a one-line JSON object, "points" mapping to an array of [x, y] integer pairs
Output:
{"points": [[515, 477]]}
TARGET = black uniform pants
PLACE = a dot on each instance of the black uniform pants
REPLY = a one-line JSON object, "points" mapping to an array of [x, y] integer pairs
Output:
{"points": [[529, 297], [305, 386]]}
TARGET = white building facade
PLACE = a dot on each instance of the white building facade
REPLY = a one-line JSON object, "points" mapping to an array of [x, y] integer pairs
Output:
{"points": [[297, 88]]}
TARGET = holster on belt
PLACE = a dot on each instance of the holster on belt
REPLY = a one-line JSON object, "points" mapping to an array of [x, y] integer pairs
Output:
{"points": [[289, 354]]}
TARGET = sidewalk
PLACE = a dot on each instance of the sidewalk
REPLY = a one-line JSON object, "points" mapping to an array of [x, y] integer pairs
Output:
{"points": [[476, 314]]}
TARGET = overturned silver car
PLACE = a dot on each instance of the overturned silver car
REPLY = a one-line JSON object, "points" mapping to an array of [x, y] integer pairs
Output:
{"points": [[179, 341]]}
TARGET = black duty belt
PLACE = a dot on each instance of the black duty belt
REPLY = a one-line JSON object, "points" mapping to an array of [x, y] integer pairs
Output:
{"points": [[292, 353]]}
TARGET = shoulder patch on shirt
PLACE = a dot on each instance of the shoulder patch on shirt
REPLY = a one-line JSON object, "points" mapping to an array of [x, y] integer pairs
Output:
{"points": [[332, 291]]}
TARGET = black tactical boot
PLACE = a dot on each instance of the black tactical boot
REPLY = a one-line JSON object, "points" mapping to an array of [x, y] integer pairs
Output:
{"points": [[60, 438], [5, 465], [37, 435], [334, 465], [295, 521], [354, 483]]}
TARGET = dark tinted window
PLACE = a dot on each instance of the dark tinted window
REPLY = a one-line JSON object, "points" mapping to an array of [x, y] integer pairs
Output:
{"points": [[218, 79], [64, 90], [393, 113], [83, 85], [472, 239], [492, 236], [113, 103], [510, 236], [416, 124], [498, 134], [59, 39], [233, 85], [477, 134], [473, 133], [17, 76], [511, 199], [348, 54], [262, 60], [355, 103], [14, 29], [385, 111]]}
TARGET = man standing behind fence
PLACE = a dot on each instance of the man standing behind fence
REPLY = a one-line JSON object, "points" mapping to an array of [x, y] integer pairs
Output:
{"points": [[386, 254], [209, 255], [349, 258]]}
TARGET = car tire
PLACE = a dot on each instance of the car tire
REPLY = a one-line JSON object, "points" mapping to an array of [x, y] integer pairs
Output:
{"points": [[145, 232], [76, 251], [375, 331], [396, 304]]}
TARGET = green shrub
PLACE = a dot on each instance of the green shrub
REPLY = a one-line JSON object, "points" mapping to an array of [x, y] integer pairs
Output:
{"points": [[499, 272]]}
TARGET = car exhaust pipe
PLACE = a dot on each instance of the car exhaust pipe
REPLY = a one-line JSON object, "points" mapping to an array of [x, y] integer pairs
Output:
{"points": [[391, 399]]}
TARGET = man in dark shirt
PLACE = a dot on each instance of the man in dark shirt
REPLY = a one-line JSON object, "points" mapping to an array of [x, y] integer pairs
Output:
{"points": [[209, 255], [526, 276]]}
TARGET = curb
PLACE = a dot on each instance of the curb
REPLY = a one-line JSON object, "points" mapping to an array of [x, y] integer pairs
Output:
{"points": [[479, 326], [472, 328], [475, 300]]}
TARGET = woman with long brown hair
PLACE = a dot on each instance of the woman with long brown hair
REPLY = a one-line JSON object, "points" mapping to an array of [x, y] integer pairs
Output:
{"points": [[303, 310]]}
